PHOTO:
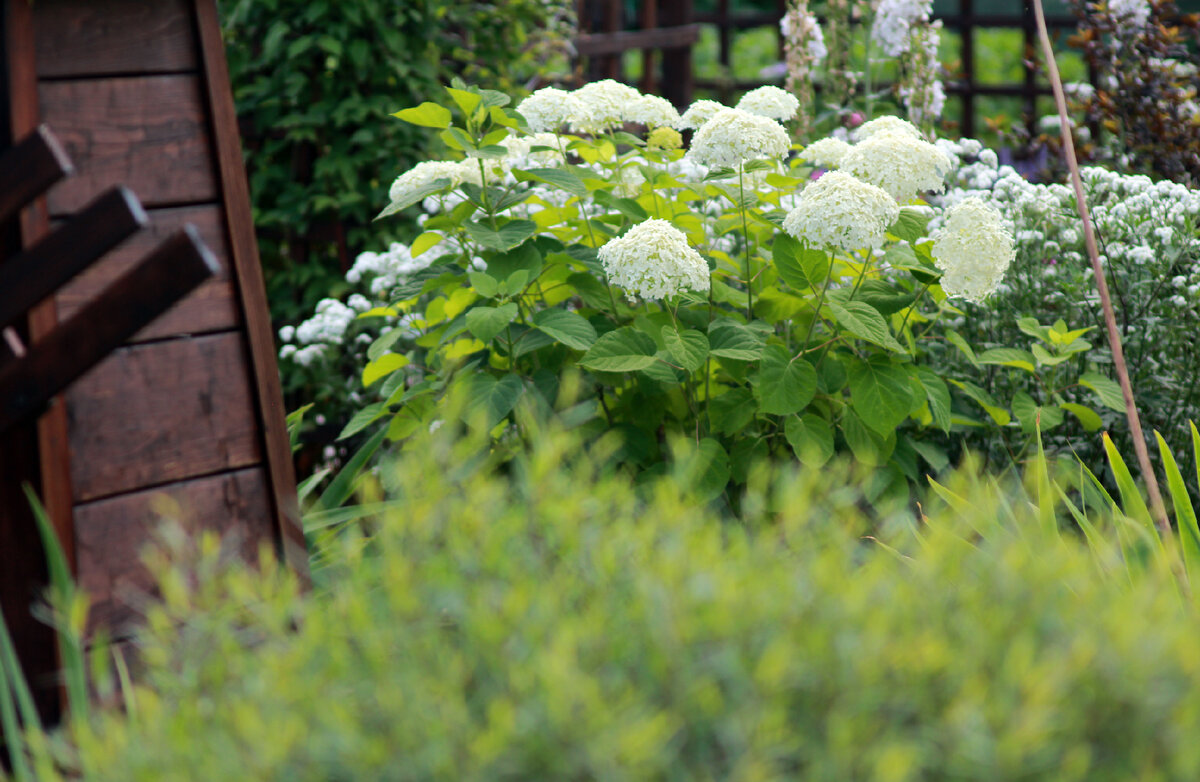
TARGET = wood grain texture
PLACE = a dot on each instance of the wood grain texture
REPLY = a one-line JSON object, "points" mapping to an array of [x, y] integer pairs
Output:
{"points": [[117, 36], [162, 412], [211, 307], [29, 168], [148, 133], [236, 195], [111, 534]]}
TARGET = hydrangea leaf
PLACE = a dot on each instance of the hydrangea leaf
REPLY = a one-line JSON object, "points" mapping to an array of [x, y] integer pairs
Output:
{"points": [[731, 412], [705, 470], [427, 115], [486, 322], [811, 438], [688, 348], [880, 393], [938, 395], [623, 350], [800, 266], [729, 339], [1088, 417], [1008, 357], [1033, 416], [507, 237], [867, 445], [495, 398], [1106, 389], [382, 367], [560, 178], [910, 225], [785, 384], [864, 321], [569, 328], [985, 400]]}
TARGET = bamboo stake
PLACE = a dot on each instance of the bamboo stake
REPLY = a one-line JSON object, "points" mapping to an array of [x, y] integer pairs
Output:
{"points": [[1110, 319]]}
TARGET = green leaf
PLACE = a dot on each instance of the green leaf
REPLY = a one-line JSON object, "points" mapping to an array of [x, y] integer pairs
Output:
{"points": [[427, 115], [493, 398], [484, 284], [569, 328], [785, 385], [729, 339], [1009, 357], [383, 343], [955, 339], [732, 411], [1034, 416], [938, 395], [705, 470], [799, 265], [626, 206], [1086, 415], [910, 225], [880, 393], [863, 321], [1107, 390], [689, 348], [382, 367], [868, 446], [342, 485], [424, 242], [623, 350], [505, 268], [414, 197], [509, 235], [811, 438], [985, 400], [363, 418], [1132, 504], [486, 322], [560, 178], [1185, 513], [467, 101], [1031, 327]]}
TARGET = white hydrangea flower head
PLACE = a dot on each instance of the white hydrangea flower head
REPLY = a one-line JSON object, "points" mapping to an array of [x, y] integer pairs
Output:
{"points": [[973, 248], [654, 260], [548, 109], [825, 152], [898, 163], [885, 124], [770, 102], [424, 174], [841, 212], [522, 155], [699, 113], [893, 19], [653, 112], [734, 136], [601, 106]]}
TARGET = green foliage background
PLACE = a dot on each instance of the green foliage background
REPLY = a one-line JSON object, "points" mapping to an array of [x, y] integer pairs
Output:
{"points": [[314, 81]]}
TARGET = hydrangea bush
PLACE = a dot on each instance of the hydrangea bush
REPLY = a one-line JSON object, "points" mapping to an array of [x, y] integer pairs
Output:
{"points": [[732, 293]]}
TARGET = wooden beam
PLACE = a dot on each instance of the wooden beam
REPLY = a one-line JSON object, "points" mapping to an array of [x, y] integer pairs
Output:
{"points": [[149, 289], [29, 168], [597, 44], [248, 271], [38, 271]]}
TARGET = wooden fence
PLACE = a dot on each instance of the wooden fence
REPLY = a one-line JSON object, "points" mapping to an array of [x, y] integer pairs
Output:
{"points": [[666, 32]]}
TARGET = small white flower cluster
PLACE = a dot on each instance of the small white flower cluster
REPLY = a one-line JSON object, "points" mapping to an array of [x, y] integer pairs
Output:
{"points": [[973, 248], [842, 212], [921, 89], [1134, 12], [770, 102], [733, 137], [893, 20], [800, 27], [698, 113], [654, 260]]}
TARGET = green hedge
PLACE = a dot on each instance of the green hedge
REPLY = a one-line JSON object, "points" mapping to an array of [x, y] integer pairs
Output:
{"points": [[557, 624]]}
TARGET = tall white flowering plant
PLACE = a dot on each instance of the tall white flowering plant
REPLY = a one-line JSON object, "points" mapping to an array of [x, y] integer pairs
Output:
{"points": [[578, 262]]}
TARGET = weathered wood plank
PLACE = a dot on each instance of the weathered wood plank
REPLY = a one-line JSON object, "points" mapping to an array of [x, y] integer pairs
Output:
{"points": [[236, 195], [116, 36], [159, 280], [29, 168], [35, 273], [162, 412], [148, 133], [110, 534], [211, 307]]}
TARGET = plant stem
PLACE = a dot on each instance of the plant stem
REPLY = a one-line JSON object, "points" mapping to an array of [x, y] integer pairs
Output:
{"points": [[1158, 509], [746, 240], [816, 313], [912, 307]]}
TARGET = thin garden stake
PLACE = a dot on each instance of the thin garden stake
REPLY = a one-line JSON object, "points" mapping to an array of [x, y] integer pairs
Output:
{"points": [[1110, 319]]}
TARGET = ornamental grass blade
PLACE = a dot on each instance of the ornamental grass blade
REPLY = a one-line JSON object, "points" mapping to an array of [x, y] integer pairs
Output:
{"points": [[16, 700], [1185, 513]]}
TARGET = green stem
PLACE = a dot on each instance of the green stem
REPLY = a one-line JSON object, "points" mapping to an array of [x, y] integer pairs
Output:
{"points": [[816, 313], [867, 258], [912, 307], [746, 240], [487, 201]]}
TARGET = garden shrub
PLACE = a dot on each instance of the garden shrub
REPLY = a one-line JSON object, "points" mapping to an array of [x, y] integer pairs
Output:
{"points": [[558, 623]]}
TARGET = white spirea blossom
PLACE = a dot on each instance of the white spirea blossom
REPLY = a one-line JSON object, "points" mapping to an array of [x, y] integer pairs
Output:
{"points": [[898, 163], [973, 248], [654, 261], [424, 174], [770, 102], [734, 136], [809, 29], [825, 152], [653, 112], [699, 113], [885, 124], [893, 18], [842, 212], [601, 106], [549, 109]]}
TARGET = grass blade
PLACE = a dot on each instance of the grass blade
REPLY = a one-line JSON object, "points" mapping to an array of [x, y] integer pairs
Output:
{"points": [[342, 486], [1185, 513]]}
